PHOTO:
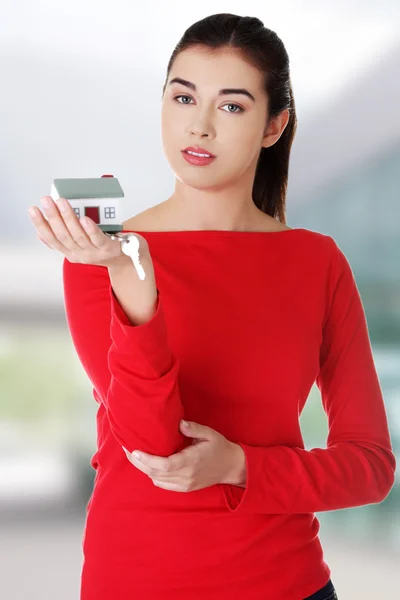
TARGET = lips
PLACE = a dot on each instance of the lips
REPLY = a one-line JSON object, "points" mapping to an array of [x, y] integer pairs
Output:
{"points": [[199, 150], [199, 161]]}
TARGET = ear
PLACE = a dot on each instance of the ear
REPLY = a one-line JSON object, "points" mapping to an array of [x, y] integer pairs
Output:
{"points": [[275, 128]]}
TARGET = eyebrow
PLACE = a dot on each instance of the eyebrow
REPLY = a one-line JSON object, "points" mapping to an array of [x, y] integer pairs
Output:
{"points": [[223, 92]]}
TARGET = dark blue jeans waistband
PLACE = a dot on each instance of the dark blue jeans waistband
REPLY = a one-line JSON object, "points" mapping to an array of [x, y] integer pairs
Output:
{"points": [[328, 592]]}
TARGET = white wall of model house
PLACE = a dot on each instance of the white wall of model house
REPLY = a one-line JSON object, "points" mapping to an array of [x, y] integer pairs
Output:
{"points": [[104, 211], [100, 210]]}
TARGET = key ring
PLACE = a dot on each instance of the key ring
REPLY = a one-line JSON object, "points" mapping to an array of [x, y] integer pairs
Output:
{"points": [[122, 237]]}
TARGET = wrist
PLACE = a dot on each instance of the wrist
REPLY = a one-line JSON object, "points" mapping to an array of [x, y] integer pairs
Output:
{"points": [[121, 263], [125, 262], [238, 474]]}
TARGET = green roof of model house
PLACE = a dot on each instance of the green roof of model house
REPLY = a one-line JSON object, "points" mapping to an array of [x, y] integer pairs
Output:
{"points": [[96, 187]]}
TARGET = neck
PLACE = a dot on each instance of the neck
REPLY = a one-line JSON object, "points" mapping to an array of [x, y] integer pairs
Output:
{"points": [[201, 210]]}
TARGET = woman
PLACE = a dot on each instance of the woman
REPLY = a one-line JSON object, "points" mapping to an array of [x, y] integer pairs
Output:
{"points": [[237, 317]]}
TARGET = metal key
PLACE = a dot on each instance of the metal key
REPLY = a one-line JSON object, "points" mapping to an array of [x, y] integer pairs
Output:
{"points": [[130, 247]]}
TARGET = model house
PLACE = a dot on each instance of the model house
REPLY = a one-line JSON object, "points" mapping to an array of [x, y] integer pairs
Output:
{"points": [[99, 198]]}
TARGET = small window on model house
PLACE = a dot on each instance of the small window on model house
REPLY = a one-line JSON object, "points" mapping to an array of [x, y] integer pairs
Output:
{"points": [[77, 212], [109, 212]]}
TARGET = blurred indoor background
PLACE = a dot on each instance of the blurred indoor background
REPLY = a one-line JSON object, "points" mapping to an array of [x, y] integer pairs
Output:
{"points": [[81, 87]]}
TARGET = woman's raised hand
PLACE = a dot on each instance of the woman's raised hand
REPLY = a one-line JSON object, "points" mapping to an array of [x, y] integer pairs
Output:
{"points": [[80, 240]]}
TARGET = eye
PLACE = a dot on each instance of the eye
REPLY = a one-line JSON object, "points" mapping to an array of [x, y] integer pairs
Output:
{"points": [[181, 96], [236, 106], [240, 109]]}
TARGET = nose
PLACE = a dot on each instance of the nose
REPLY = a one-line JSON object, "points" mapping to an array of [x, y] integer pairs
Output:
{"points": [[202, 127], [201, 132]]}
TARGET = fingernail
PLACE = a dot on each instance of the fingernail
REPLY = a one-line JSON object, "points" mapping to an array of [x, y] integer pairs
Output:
{"points": [[136, 455], [32, 212], [45, 202]]}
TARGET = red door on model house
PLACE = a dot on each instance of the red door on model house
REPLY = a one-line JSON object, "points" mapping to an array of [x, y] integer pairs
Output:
{"points": [[93, 212]]}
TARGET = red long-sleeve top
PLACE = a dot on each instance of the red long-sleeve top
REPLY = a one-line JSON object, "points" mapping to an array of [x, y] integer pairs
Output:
{"points": [[246, 322]]}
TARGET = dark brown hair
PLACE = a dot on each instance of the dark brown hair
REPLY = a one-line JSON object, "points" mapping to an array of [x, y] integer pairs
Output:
{"points": [[265, 50]]}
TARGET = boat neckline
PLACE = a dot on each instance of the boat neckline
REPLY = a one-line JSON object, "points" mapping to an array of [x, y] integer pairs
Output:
{"points": [[215, 232]]}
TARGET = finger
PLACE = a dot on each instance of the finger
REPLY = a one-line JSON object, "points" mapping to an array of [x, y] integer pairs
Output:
{"points": [[44, 241], [60, 229], [73, 224], [171, 481], [84, 231], [96, 236], [173, 487], [157, 468], [139, 466], [44, 230], [160, 463], [137, 463]]}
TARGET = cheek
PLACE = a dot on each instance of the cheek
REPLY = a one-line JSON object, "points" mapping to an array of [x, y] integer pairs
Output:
{"points": [[170, 145], [239, 154], [171, 130], [169, 138], [171, 117], [247, 149]]}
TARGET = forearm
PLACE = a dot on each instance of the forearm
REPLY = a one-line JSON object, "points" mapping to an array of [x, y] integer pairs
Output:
{"points": [[143, 399], [137, 297]]}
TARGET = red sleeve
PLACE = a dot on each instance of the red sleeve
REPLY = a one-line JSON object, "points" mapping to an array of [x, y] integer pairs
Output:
{"points": [[131, 367], [358, 465]]}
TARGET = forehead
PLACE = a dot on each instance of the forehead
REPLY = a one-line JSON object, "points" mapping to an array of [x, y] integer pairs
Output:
{"points": [[210, 68]]}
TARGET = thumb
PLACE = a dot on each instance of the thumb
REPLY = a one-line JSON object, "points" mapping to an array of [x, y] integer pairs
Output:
{"points": [[195, 430]]}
